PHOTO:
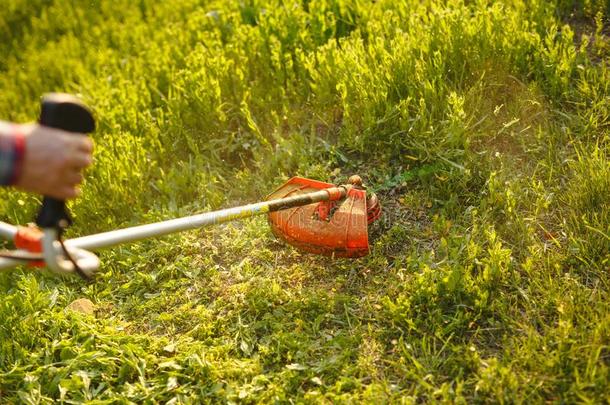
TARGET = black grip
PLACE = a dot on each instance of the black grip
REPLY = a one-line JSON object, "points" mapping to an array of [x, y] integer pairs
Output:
{"points": [[66, 112]]}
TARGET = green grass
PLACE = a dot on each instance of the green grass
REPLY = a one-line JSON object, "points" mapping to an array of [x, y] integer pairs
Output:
{"points": [[483, 126]]}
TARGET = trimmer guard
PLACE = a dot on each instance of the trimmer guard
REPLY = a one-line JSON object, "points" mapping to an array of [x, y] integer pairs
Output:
{"points": [[336, 228]]}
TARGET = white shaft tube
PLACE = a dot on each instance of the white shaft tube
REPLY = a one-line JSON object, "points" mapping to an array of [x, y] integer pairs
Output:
{"points": [[120, 236], [113, 238]]}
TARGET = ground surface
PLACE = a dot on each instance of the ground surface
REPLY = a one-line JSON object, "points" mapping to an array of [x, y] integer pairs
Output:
{"points": [[484, 128]]}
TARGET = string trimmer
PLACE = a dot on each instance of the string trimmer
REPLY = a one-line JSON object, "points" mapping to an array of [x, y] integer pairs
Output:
{"points": [[311, 215]]}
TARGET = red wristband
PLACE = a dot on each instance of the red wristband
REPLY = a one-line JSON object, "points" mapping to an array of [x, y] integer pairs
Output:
{"points": [[19, 153]]}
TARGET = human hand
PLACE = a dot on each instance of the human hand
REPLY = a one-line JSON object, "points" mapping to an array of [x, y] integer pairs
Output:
{"points": [[53, 161]]}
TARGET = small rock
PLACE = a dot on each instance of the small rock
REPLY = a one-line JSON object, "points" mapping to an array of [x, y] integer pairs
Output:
{"points": [[82, 305]]}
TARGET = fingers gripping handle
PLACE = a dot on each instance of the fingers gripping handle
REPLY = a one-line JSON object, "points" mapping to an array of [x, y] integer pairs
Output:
{"points": [[66, 112], [62, 111]]}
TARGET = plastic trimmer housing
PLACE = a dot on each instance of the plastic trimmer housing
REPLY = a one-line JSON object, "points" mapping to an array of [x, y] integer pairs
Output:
{"points": [[336, 227]]}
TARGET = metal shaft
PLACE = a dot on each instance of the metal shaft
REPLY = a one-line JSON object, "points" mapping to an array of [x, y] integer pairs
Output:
{"points": [[132, 234], [113, 238]]}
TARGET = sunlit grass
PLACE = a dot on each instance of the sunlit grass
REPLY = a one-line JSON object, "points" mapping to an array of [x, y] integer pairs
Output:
{"points": [[483, 126]]}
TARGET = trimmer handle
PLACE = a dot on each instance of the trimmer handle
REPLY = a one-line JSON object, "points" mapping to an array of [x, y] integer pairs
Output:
{"points": [[66, 112]]}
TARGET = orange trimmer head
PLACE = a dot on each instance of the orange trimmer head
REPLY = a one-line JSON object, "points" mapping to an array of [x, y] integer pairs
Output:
{"points": [[335, 227]]}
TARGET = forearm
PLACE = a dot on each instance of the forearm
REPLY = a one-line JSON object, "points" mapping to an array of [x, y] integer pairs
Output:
{"points": [[12, 145]]}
